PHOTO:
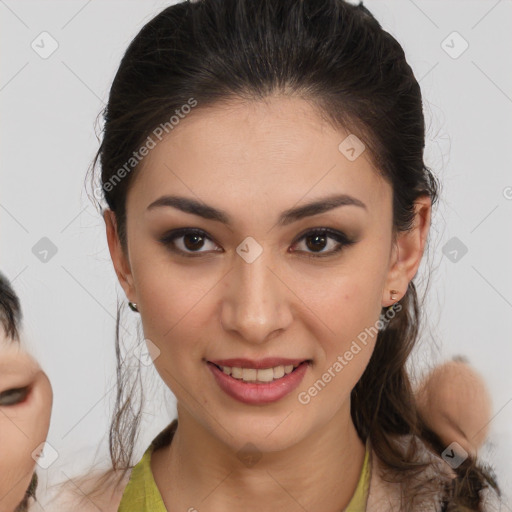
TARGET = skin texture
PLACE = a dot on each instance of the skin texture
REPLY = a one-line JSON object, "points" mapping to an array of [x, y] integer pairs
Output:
{"points": [[255, 160], [23, 425]]}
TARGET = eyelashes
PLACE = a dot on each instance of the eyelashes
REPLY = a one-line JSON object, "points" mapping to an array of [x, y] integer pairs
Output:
{"points": [[319, 234], [169, 240], [13, 396]]}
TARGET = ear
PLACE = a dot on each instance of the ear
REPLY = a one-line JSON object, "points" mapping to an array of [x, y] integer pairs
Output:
{"points": [[119, 258], [407, 251]]}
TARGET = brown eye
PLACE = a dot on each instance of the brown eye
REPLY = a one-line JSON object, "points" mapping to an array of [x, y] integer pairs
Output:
{"points": [[188, 242], [317, 240], [193, 241], [13, 396]]}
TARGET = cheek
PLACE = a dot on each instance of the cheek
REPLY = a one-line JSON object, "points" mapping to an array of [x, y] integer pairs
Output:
{"points": [[346, 323], [23, 428], [174, 315], [15, 452], [346, 303], [344, 349]]}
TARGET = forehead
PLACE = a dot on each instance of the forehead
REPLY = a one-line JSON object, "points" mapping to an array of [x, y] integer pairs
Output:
{"points": [[14, 358], [279, 149], [12, 354]]}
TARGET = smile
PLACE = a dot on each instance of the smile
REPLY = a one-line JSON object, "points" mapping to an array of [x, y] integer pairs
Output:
{"points": [[258, 385], [258, 375]]}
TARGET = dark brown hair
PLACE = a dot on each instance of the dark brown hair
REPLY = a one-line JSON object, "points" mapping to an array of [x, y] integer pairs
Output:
{"points": [[336, 56], [10, 309]]}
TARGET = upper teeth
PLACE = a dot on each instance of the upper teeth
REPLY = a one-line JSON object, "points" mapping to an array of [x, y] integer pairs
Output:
{"points": [[260, 374]]}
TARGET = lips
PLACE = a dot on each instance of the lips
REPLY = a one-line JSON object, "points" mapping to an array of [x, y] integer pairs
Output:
{"points": [[250, 382], [268, 362]]}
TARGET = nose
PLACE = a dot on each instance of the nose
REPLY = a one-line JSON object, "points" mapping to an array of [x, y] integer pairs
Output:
{"points": [[256, 302]]}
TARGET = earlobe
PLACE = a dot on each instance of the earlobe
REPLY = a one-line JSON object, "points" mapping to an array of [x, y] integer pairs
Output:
{"points": [[119, 259], [408, 252]]}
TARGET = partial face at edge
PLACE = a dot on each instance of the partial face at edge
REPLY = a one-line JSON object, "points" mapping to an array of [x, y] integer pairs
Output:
{"points": [[201, 300], [25, 409]]}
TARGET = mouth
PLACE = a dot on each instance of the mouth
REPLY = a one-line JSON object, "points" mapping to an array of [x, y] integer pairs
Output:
{"points": [[259, 372], [258, 382]]}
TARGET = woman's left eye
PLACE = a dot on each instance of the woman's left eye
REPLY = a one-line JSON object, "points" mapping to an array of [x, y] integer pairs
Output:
{"points": [[318, 239], [13, 396], [184, 240]]}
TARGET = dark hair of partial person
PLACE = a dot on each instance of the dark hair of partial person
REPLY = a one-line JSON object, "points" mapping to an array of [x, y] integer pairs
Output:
{"points": [[10, 310], [336, 56]]}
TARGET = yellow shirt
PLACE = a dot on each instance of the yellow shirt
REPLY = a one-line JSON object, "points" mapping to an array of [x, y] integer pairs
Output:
{"points": [[142, 495]]}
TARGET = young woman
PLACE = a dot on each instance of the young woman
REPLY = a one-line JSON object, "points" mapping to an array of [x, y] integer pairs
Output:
{"points": [[268, 208]]}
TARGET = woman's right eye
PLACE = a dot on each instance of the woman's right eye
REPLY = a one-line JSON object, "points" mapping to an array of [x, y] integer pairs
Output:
{"points": [[190, 241], [13, 396]]}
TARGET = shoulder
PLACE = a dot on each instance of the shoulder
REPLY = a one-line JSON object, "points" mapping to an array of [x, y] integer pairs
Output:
{"points": [[425, 486], [100, 491], [430, 489]]}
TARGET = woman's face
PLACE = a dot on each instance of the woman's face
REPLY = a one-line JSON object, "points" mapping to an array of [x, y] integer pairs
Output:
{"points": [[25, 409], [253, 286]]}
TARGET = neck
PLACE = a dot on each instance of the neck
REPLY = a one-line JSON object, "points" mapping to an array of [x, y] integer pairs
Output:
{"points": [[197, 471]]}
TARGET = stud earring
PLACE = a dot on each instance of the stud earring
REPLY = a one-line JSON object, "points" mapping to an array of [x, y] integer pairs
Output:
{"points": [[392, 296], [133, 307]]}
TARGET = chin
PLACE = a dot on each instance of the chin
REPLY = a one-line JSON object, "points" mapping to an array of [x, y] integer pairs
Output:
{"points": [[267, 432]]}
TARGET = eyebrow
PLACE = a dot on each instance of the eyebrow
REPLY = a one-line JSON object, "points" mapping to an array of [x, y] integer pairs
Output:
{"points": [[189, 205]]}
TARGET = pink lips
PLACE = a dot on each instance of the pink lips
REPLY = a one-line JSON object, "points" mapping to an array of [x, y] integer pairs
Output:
{"points": [[256, 393]]}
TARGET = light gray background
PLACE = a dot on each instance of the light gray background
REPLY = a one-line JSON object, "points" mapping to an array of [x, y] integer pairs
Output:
{"points": [[48, 112]]}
